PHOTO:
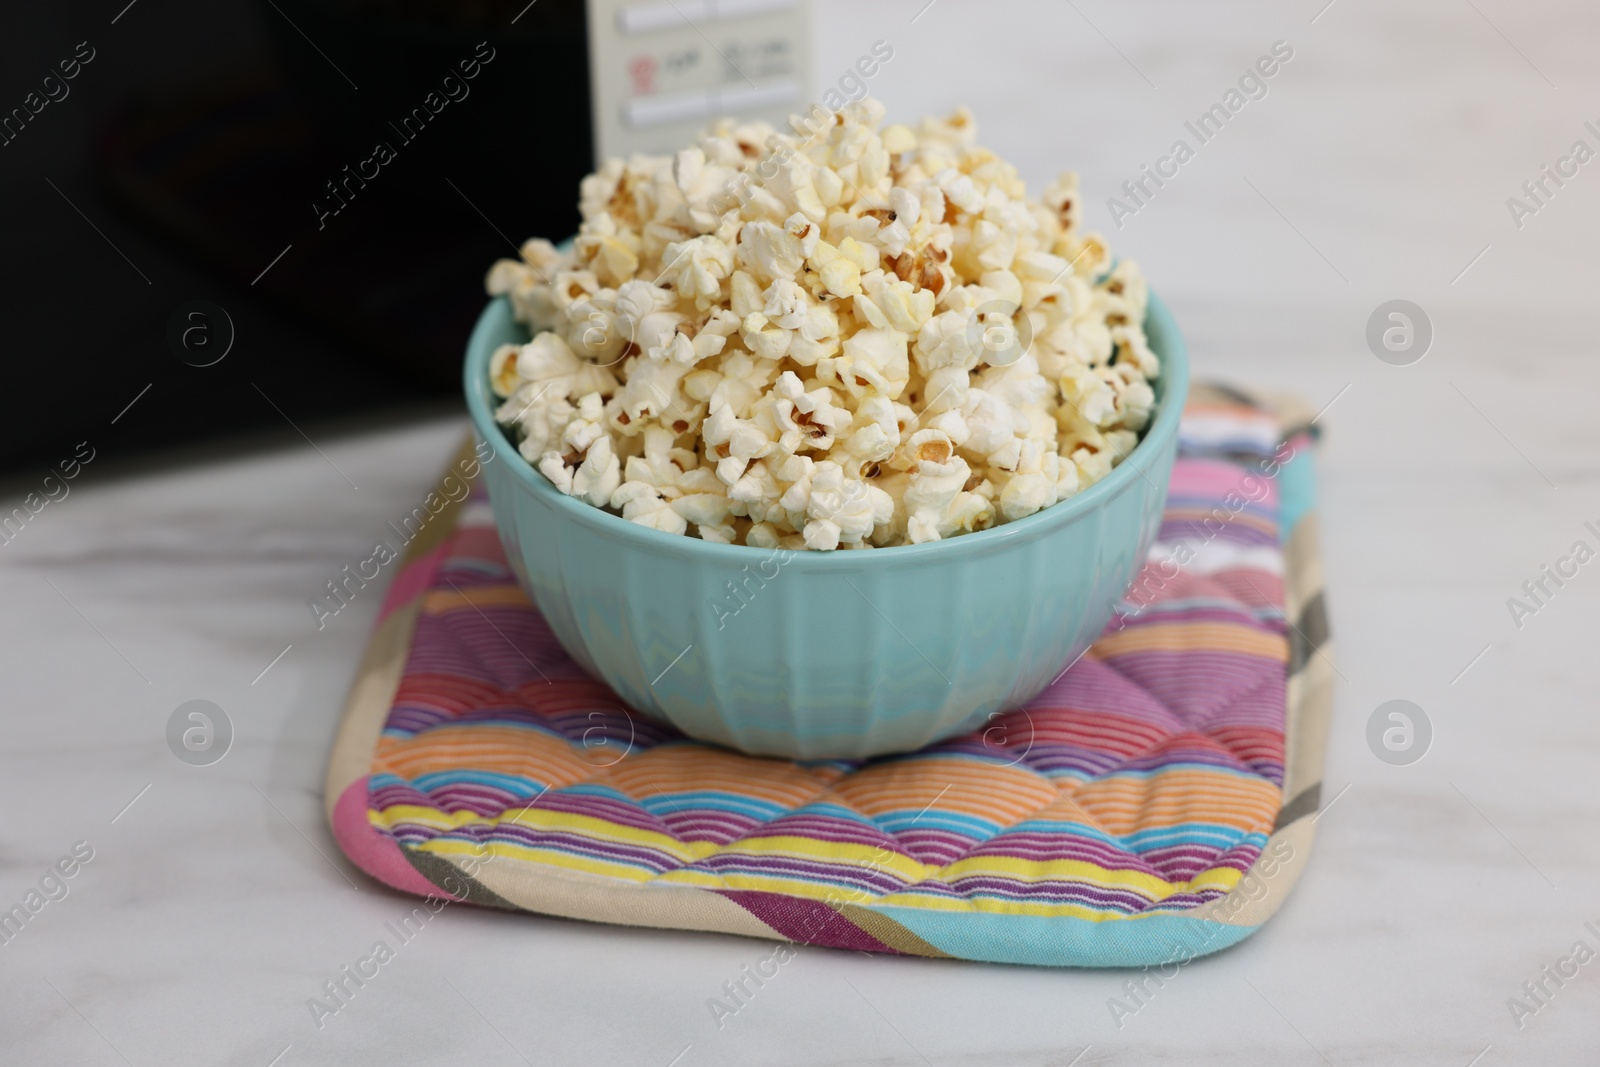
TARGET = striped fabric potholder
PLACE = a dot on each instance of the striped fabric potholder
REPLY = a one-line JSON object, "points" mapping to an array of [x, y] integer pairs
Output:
{"points": [[1152, 805]]}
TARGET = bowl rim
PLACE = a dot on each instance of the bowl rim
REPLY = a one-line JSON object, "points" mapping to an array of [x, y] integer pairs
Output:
{"points": [[1173, 386]]}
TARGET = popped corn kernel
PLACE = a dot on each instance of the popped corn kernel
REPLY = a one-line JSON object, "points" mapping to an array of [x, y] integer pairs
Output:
{"points": [[862, 336]]}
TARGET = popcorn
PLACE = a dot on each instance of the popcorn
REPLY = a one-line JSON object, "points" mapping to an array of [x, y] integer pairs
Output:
{"points": [[769, 251], [503, 377], [640, 503], [856, 339], [874, 362]]}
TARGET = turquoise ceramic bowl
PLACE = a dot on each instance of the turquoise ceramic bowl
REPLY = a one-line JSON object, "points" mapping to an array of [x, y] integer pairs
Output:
{"points": [[829, 654]]}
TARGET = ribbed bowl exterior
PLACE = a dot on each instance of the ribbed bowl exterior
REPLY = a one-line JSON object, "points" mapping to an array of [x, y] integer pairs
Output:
{"points": [[827, 654]]}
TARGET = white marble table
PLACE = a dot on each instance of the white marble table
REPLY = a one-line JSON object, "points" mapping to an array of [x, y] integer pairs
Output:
{"points": [[1380, 162]]}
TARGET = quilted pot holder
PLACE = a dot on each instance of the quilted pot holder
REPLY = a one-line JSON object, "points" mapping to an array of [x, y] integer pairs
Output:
{"points": [[1154, 803]]}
